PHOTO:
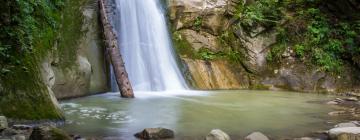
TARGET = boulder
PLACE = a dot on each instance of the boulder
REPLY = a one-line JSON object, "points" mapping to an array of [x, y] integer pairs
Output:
{"points": [[353, 99], [349, 124], [348, 136], [3, 122], [155, 133], [337, 132], [256, 136], [332, 103], [48, 133], [217, 134]]}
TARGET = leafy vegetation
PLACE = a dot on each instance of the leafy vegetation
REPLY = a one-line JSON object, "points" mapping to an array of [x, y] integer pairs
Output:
{"points": [[198, 23], [261, 13], [184, 49], [316, 36], [28, 30], [26, 24]]}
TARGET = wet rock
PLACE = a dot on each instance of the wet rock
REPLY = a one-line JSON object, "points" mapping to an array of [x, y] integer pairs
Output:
{"points": [[155, 133], [349, 124], [256, 136], [3, 122], [332, 103], [347, 136], [336, 132], [48, 133], [77, 137], [22, 127], [217, 134], [353, 99], [221, 75]]}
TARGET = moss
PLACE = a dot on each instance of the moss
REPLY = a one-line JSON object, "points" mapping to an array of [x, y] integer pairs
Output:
{"points": [[198, 23], [70, 32], [58, 134], [25, 96], [182, 46], [259, 87]]}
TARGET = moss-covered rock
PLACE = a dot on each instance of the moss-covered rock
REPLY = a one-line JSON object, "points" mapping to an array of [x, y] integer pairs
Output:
{"points": [[49, 133], [79, 62], [55, 61]]}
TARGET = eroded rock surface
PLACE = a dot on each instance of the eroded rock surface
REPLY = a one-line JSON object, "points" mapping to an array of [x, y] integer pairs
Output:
{"points": [[206, 24]]}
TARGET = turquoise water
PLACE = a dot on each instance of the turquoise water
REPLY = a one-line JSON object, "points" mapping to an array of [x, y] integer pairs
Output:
{"points": [[193, 114]]}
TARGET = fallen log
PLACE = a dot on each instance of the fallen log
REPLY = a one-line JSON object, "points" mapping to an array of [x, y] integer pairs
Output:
{"points": [[113, 51]]}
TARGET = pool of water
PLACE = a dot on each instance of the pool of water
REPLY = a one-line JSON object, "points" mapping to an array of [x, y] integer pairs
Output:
{"points": [[192, 114]]}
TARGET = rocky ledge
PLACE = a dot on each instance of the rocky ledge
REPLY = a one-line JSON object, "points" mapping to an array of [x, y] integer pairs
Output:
{"points": [[32, 132]]}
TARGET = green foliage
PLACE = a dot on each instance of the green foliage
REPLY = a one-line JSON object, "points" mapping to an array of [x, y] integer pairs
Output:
{"points": [[198, 23], [316, 36], [25, 25], [28, 30], [182, 47], [300, 50], [262, 12], [327, 61], [206, 54]]}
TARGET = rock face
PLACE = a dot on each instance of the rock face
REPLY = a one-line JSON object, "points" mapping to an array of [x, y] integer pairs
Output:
{"points": [[3, 122], [48, 133], [214, 75], [77, 66], [256, 136], [210, 15], [155, 133], [209, 25], [72, 65], [217, 134]]}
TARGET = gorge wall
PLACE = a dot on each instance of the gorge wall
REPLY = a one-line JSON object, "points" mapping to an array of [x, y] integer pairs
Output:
{"points": [[219, 53], [77, 65]]}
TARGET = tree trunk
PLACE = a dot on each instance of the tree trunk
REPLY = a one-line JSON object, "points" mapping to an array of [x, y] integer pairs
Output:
{"points": [[113, 50]]}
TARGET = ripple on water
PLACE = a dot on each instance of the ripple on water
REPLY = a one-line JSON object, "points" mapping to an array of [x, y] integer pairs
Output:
{"points": [[69, 105]]}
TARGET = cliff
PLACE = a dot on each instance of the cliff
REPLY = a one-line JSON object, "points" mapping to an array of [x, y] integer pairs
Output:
{"points": [[50, 50], [233, 44]]}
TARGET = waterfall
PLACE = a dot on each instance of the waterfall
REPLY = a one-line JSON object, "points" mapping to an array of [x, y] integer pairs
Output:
{"points": [[146, 46]]}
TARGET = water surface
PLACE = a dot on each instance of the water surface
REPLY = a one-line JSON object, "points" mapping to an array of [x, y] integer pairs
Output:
{"points": [[193, 114]]}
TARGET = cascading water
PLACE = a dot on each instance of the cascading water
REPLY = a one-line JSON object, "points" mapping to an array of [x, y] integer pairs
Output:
{"points": [[146, 46]]}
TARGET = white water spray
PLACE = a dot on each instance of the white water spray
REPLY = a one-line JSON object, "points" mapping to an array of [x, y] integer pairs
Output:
{"points": [[146, 46]]}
